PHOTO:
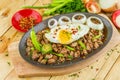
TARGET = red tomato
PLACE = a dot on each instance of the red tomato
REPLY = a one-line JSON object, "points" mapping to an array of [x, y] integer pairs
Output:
{"points": [[93, 7], [25, 13], [114, 16]]}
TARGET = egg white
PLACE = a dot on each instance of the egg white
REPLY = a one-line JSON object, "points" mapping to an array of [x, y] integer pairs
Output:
{"points": [[52, 36], [84, 29], [80, 33]]}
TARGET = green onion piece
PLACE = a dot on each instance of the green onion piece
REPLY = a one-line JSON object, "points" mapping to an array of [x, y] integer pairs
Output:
{"points": [[70, 48], [37, 7], [48, 12], [47, 31], [59, 54], [46, 48], [32, 48], [70, 57], [79, 28], [97, 36], [82, 44], [36, 44]]}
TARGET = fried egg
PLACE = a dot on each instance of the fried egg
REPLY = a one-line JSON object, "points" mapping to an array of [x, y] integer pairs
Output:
{"points": [[66, 34]]}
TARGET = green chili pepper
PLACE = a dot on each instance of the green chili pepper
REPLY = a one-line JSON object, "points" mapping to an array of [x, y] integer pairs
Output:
{"points": [[47, 31], [70, 57], [58, 54], [37, 7], [32, 48], [97, 36], [70, 48], [36, 44], [82, 44], [79, 28]]}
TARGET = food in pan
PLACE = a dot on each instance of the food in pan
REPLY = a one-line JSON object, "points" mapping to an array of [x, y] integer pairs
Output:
{"points": [[66, 34], [66, 42]]}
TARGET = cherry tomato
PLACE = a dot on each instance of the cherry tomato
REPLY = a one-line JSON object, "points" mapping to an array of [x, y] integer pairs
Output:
{"points": [[93, 7]]}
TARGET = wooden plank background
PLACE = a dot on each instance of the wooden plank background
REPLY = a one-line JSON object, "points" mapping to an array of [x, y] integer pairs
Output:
{"points": [[106, 68]]}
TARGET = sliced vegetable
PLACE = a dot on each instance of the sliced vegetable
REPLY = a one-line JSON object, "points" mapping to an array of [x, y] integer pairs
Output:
{"points": [[37, 7], [82, 44], [59, 55], [53, 4], [93, 7], [36, 44], [70, 57], [79, 28], [47, 31], [48, 12], [97, 36], [32, 48], [61, 7], [70, 48], [46, 48]]}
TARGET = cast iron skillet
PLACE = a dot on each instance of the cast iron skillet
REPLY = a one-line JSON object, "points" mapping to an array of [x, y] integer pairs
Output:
{"points": [[42, 25]]}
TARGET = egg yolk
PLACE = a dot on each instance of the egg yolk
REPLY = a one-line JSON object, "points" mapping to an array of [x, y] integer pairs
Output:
{"points": [[64, 37]]}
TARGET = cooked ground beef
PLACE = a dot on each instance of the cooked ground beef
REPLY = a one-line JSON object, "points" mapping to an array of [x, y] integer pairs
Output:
{"points": [[59, 49]]}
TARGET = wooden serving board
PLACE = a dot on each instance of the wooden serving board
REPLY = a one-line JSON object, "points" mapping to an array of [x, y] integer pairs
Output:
{"points": [[24, 69]]}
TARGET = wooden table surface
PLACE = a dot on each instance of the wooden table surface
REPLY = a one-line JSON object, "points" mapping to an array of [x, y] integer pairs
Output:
{"points": [[106, 68]]}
